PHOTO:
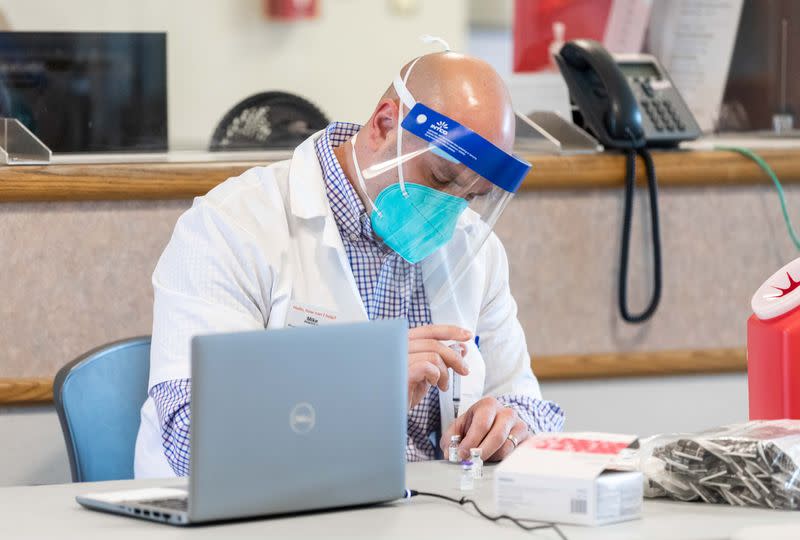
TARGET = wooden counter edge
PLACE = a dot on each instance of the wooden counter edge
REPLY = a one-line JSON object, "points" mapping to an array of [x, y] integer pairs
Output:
{"points": [[26, 391], [165, 181], [639, 364], [33, 391]]}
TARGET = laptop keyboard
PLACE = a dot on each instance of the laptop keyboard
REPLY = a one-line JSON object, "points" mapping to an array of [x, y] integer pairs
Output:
{"points": [[178, 503]]}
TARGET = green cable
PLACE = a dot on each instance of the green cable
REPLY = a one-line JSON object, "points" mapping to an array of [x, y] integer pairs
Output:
{"points": [[767, 169]]}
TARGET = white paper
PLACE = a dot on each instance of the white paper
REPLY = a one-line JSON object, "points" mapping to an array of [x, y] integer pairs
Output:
{"points": [[627, 25], [694, 40]]}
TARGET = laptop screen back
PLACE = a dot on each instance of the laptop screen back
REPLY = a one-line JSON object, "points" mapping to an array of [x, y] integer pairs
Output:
{"points": [[298, 419]]}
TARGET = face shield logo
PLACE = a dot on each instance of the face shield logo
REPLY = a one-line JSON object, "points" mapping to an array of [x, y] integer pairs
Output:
{"points": [[302, 418], [440, 127]]}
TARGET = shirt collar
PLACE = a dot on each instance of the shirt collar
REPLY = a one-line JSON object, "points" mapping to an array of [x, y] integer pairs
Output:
{"points": [[348, 210]]}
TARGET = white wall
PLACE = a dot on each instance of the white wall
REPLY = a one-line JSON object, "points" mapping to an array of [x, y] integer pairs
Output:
{"points": [[221, 51], [648, 406], [32, 451]]}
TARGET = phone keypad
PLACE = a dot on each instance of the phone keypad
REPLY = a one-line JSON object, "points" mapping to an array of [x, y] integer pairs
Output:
{"points": [[663, 115]]}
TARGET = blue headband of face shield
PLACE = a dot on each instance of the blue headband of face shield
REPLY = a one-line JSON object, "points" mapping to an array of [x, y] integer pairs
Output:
{"points": [[459, 144]]}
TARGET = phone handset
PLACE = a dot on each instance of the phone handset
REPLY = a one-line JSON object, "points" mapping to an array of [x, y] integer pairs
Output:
{"points": [[602, 94]]}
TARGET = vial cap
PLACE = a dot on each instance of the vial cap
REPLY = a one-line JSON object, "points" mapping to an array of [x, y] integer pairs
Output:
{"points": [[475, 452], [455, 438], [466, 464]]}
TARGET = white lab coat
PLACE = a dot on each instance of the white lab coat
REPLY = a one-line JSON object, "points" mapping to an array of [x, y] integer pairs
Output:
{"points": [[255, 243]]}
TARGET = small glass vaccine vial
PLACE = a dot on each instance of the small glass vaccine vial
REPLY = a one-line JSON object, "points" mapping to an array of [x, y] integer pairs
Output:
{"points": [[477, 463], [467, 478], [452, 450]]}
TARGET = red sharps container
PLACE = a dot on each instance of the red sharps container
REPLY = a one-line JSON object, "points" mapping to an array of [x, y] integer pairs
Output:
{"points": [[773, 346]]}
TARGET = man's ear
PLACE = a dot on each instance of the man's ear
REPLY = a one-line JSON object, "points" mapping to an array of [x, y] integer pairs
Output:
{"points": [[382, 123]]}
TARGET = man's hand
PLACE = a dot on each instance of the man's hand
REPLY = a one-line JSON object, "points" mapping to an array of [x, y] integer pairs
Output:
{"points": [[487, 425], [428, 358]]}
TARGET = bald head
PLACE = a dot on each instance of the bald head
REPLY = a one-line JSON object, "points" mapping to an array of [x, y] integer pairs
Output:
{"points": [[467, 90], [463, 88]]}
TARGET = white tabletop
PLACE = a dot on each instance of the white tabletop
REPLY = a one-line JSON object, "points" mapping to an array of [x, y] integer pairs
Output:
{"points": [[51, 512]]}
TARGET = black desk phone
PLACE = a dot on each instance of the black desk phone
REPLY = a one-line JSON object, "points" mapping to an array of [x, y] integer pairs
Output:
{"points": [[626, 101]]}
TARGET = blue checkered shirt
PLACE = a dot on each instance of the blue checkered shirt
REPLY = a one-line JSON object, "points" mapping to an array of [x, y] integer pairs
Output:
{"points": [[390, 288]]}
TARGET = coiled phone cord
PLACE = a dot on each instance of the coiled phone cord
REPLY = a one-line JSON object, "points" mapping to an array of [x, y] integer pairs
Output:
{"points": [[630, 184]]}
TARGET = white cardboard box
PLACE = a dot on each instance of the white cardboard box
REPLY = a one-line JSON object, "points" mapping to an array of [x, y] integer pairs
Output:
{"points": [[569, 478]]}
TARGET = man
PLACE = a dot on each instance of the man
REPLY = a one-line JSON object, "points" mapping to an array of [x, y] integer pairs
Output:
{"points": [[392, 219]]}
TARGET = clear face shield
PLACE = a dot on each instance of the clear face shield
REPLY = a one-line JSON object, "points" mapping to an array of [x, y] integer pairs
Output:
{"points": [[445, 184]]}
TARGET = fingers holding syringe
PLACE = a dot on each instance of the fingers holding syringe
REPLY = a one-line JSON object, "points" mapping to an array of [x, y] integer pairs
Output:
{"points": [[427, 366], [451, 357]]}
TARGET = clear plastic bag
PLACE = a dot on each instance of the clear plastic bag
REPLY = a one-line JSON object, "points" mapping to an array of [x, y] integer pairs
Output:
{"points": [[752, 464]]}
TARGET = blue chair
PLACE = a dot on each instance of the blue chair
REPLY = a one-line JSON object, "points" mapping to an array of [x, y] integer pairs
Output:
{"points": [[98, 397]]}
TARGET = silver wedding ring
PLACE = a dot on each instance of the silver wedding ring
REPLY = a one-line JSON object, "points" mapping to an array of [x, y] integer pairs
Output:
{"points": [[513, 439]]}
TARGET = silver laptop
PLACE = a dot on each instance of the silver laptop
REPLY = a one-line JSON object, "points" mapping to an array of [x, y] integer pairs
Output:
{"points": [[287, 421]]}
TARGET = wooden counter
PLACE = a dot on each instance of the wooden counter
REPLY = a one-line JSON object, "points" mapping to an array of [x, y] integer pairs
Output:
{"points": [[116, 181], [136, 181]]}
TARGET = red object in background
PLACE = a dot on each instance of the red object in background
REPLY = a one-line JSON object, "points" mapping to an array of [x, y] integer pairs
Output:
{"points": [[289, 10], [533, 27], [773, 347], [579, 445]]}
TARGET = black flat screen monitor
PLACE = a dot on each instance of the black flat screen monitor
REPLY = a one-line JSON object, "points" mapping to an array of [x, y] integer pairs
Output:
{"points": [[87, 92]]}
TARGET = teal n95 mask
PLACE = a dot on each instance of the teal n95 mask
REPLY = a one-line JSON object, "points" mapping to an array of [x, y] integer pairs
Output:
{"points": [[411, 218], [451, 183]]}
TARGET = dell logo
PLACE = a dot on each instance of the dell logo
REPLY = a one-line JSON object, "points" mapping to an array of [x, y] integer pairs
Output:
{"points": [[302, 418]]}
